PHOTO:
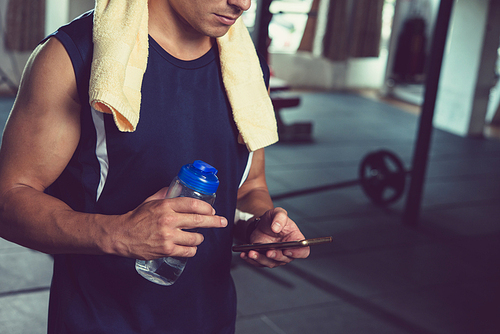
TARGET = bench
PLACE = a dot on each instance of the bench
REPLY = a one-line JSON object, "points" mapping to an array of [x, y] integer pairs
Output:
{"points": [[281, 98]]}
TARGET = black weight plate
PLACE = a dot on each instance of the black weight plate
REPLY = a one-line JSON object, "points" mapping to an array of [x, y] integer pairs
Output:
{"points": [[382, 177]]}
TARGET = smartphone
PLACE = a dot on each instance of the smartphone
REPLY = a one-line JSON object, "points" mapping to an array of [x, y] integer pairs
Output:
{"points": [[282, 245]]}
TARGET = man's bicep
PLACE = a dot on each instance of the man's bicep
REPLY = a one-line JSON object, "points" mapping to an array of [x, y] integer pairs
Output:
{"points": [[43, 129]]}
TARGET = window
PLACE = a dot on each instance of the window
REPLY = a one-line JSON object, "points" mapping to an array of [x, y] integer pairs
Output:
{"points": [[288, 23]]}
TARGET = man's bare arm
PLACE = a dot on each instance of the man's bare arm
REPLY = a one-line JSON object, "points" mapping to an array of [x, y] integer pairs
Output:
{"points": [[274, 224], [40, 138]]}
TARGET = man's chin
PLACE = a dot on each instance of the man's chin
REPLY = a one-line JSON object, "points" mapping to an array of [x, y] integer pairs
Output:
{"points": [[218, 32]]}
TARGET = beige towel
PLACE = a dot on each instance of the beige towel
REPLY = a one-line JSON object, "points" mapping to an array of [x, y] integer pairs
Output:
{"points": [[120, 59]]}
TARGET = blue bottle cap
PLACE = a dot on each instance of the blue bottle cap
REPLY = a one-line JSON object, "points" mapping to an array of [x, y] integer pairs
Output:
{"points": [[200, 177]]}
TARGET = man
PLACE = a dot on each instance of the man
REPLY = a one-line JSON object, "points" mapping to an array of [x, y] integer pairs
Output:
{"points": [[54, 197]]}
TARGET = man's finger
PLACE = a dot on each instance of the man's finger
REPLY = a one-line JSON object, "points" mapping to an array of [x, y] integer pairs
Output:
{"points": [[189, 239], [280, 220], [190, 205], [297, 253], [261, 260], [191, 221]]}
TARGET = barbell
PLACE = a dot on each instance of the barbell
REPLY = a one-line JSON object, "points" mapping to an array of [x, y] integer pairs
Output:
{"points": [[382, 177]]}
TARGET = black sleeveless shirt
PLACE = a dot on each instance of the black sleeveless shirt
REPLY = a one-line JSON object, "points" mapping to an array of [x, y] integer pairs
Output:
{"points": [[185, 116]]}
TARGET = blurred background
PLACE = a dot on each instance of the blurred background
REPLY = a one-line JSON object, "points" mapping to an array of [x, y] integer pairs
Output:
{"points": [[386, 144]]}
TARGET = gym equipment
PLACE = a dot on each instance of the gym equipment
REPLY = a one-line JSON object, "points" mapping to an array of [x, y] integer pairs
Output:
{"points": [[381, 175]]}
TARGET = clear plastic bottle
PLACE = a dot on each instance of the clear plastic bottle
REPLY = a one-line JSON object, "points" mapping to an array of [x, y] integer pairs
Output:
{"points": [[197, 180]]}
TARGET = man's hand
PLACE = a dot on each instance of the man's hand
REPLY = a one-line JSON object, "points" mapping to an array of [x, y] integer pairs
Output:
{"points": [[156, 228], [275, 226]]}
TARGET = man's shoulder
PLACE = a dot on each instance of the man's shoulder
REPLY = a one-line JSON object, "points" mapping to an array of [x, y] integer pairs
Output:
{"points": [[76, 37]]}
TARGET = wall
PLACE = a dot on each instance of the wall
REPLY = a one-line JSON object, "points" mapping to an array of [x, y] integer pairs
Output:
{"points": [[306, 70], [11, 63], [77, 7], [467, 73], [58, 12]]}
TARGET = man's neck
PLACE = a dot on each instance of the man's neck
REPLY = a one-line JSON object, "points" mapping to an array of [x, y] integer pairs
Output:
{"points": [[175, 35]]}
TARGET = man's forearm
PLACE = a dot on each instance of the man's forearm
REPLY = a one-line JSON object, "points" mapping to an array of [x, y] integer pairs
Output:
{"points": [[41, 222], [253, 195], [256, 202], [152, 230]]}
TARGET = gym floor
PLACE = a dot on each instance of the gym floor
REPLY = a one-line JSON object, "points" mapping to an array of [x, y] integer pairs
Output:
{"points": [[378, 275]]}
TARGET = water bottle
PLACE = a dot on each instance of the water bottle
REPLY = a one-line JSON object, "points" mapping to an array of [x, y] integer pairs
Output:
{"points": [[197, 180]]}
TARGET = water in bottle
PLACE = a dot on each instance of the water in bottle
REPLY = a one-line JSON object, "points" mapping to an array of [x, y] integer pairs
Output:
{"points": [[197, 180]]}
